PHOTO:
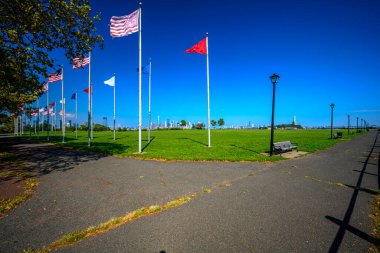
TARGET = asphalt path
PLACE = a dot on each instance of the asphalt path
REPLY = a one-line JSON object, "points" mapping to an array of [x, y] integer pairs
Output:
{"points": [[316, 203]]}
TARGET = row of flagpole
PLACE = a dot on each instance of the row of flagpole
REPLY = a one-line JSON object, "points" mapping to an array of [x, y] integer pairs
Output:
{"points": [[120, 27]]}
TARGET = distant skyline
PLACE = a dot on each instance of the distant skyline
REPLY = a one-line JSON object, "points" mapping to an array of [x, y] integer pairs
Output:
{"points": [[324, 51]]}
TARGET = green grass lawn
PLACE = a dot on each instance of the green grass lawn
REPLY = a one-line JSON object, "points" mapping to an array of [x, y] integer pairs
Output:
{"points": [[227, 145]]}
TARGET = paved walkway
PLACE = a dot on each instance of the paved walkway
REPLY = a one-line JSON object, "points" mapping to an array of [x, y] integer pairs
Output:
{"points": [[316, 203]]}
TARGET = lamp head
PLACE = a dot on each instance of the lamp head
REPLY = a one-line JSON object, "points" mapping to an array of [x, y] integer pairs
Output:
{"points": [[274, 78]]}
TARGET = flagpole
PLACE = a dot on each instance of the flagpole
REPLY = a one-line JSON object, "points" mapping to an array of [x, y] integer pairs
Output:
{"points": [[55, 120], [76, 115], [47, 106], [149, 103], [114, 109], [140, 99], [91, 97], [38, 119], [208, 94], [89, 102], [63, 110]]}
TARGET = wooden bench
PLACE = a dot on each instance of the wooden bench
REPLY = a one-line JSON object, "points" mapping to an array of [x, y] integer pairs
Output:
{"points": [[280, 147], [338, 135]]}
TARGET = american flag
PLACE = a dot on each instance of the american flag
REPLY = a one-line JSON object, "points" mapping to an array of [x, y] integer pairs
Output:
{"points": [[78, 63], [45, 87], [56, 76], [35, 113], [124, 25]]}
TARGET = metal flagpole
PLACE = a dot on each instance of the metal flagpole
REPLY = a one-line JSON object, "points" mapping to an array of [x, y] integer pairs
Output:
{"points": [[43, 118], [63, 111], [89, 103], [149, 105], [47, 106], [76, 115], [55, 120], [140, 99], [38, 119], [90, 91], [208, 94], [21, 124], [114, 109]]}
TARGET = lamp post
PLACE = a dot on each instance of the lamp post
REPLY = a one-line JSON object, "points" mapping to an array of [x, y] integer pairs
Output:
{"points": [[348, 124], [332, 119], [273, 78], [357, 124]]}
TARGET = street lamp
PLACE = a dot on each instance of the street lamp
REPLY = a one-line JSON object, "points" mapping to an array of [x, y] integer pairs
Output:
{"points": [[332, 119], [273, 78]]}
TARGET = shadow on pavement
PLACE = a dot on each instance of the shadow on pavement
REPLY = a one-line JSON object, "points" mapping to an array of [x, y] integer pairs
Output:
{"points": [[41, 158], [344, 225]]}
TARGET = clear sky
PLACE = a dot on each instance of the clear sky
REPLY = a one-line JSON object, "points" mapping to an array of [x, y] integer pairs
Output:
{"points": [[325, 51]]}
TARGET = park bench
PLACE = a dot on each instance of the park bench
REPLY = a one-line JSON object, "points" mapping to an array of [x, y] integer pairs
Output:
{"points": [[338, 135], [280, 147]]}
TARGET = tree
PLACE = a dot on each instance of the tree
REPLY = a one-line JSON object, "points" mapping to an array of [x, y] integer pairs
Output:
{"points": [[221, 122], [182, 123], [29, 31], [213, 123], [199, 125]]}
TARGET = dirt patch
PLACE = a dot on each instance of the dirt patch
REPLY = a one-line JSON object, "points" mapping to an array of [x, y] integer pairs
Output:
{"points": [[11, 188]]}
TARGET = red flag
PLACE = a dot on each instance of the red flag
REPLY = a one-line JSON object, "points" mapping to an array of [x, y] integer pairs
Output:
{"points": [[199, 48], [86, 90], [52, 104]]}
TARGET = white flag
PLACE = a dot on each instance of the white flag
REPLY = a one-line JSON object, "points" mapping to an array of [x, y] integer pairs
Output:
{"points": [[110, 82]]}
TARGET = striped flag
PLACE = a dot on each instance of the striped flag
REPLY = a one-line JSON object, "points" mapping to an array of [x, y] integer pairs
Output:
{"points": [[56, 76], [60, 112], [124, 25], [78, 63], [45, 87], [34, 113]]}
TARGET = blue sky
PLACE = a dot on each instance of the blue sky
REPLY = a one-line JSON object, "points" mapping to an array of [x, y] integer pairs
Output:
{"points": [[325, 51]]}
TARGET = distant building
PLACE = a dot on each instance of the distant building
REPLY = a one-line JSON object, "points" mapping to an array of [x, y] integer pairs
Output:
{"points": [[294, 123]]}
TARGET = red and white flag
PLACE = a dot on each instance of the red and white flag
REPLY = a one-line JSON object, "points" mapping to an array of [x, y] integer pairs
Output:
{"points": [[45, 113], [199, 48], [45, 87], [78, 63], [60, 112], [34, 113], [56, 76], [124, 25]]}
